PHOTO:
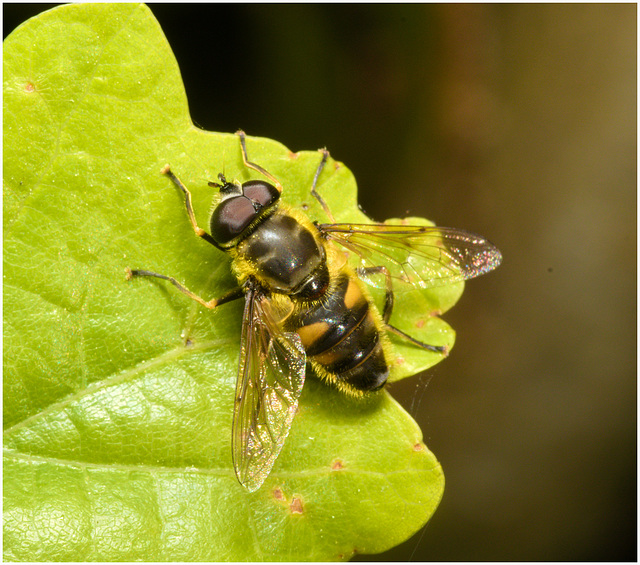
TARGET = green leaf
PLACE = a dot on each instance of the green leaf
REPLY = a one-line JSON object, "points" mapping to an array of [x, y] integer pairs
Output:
{"points": [[118, 394]]}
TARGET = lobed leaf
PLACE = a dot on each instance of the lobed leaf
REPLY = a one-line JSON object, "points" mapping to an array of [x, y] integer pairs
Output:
{"points": [[118, 395]]}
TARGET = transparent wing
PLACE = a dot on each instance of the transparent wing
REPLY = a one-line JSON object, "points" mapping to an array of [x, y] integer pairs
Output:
{"points": [[270, 379], [416, 256]]}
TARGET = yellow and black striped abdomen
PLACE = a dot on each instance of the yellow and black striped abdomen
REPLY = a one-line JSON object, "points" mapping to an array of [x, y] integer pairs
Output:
{"points": [[342, 337]]}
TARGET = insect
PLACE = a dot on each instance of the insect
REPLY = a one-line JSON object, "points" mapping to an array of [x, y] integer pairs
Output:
{"points": [[305, 305]]}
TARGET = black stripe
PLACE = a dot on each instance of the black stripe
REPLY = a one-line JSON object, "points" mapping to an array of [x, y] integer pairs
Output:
{"points": [[336, 315]]}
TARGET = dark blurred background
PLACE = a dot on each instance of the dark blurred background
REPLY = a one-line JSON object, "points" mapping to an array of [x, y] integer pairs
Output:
{"points": [[514, 121]]}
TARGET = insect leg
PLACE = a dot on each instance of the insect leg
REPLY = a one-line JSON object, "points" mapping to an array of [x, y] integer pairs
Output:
{"points": [[187, 200], [314, 192], [254, 166], [211, 304], [434, 348], [388, 308], [388, 297]]}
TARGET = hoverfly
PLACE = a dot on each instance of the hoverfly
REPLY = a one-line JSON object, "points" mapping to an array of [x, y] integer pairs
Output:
{"points": [[304, 304]]}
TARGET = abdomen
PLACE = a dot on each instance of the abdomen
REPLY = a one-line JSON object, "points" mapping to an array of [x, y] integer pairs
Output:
{"points": [[343, 338]]}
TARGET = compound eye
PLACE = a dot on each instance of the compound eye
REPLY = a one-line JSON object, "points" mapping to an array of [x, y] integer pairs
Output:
{"points": [[231, 218], [260, 192]]}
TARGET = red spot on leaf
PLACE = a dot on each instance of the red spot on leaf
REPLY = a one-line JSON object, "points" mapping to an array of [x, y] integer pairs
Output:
{"points": [[337, 465], [296, 506]]}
